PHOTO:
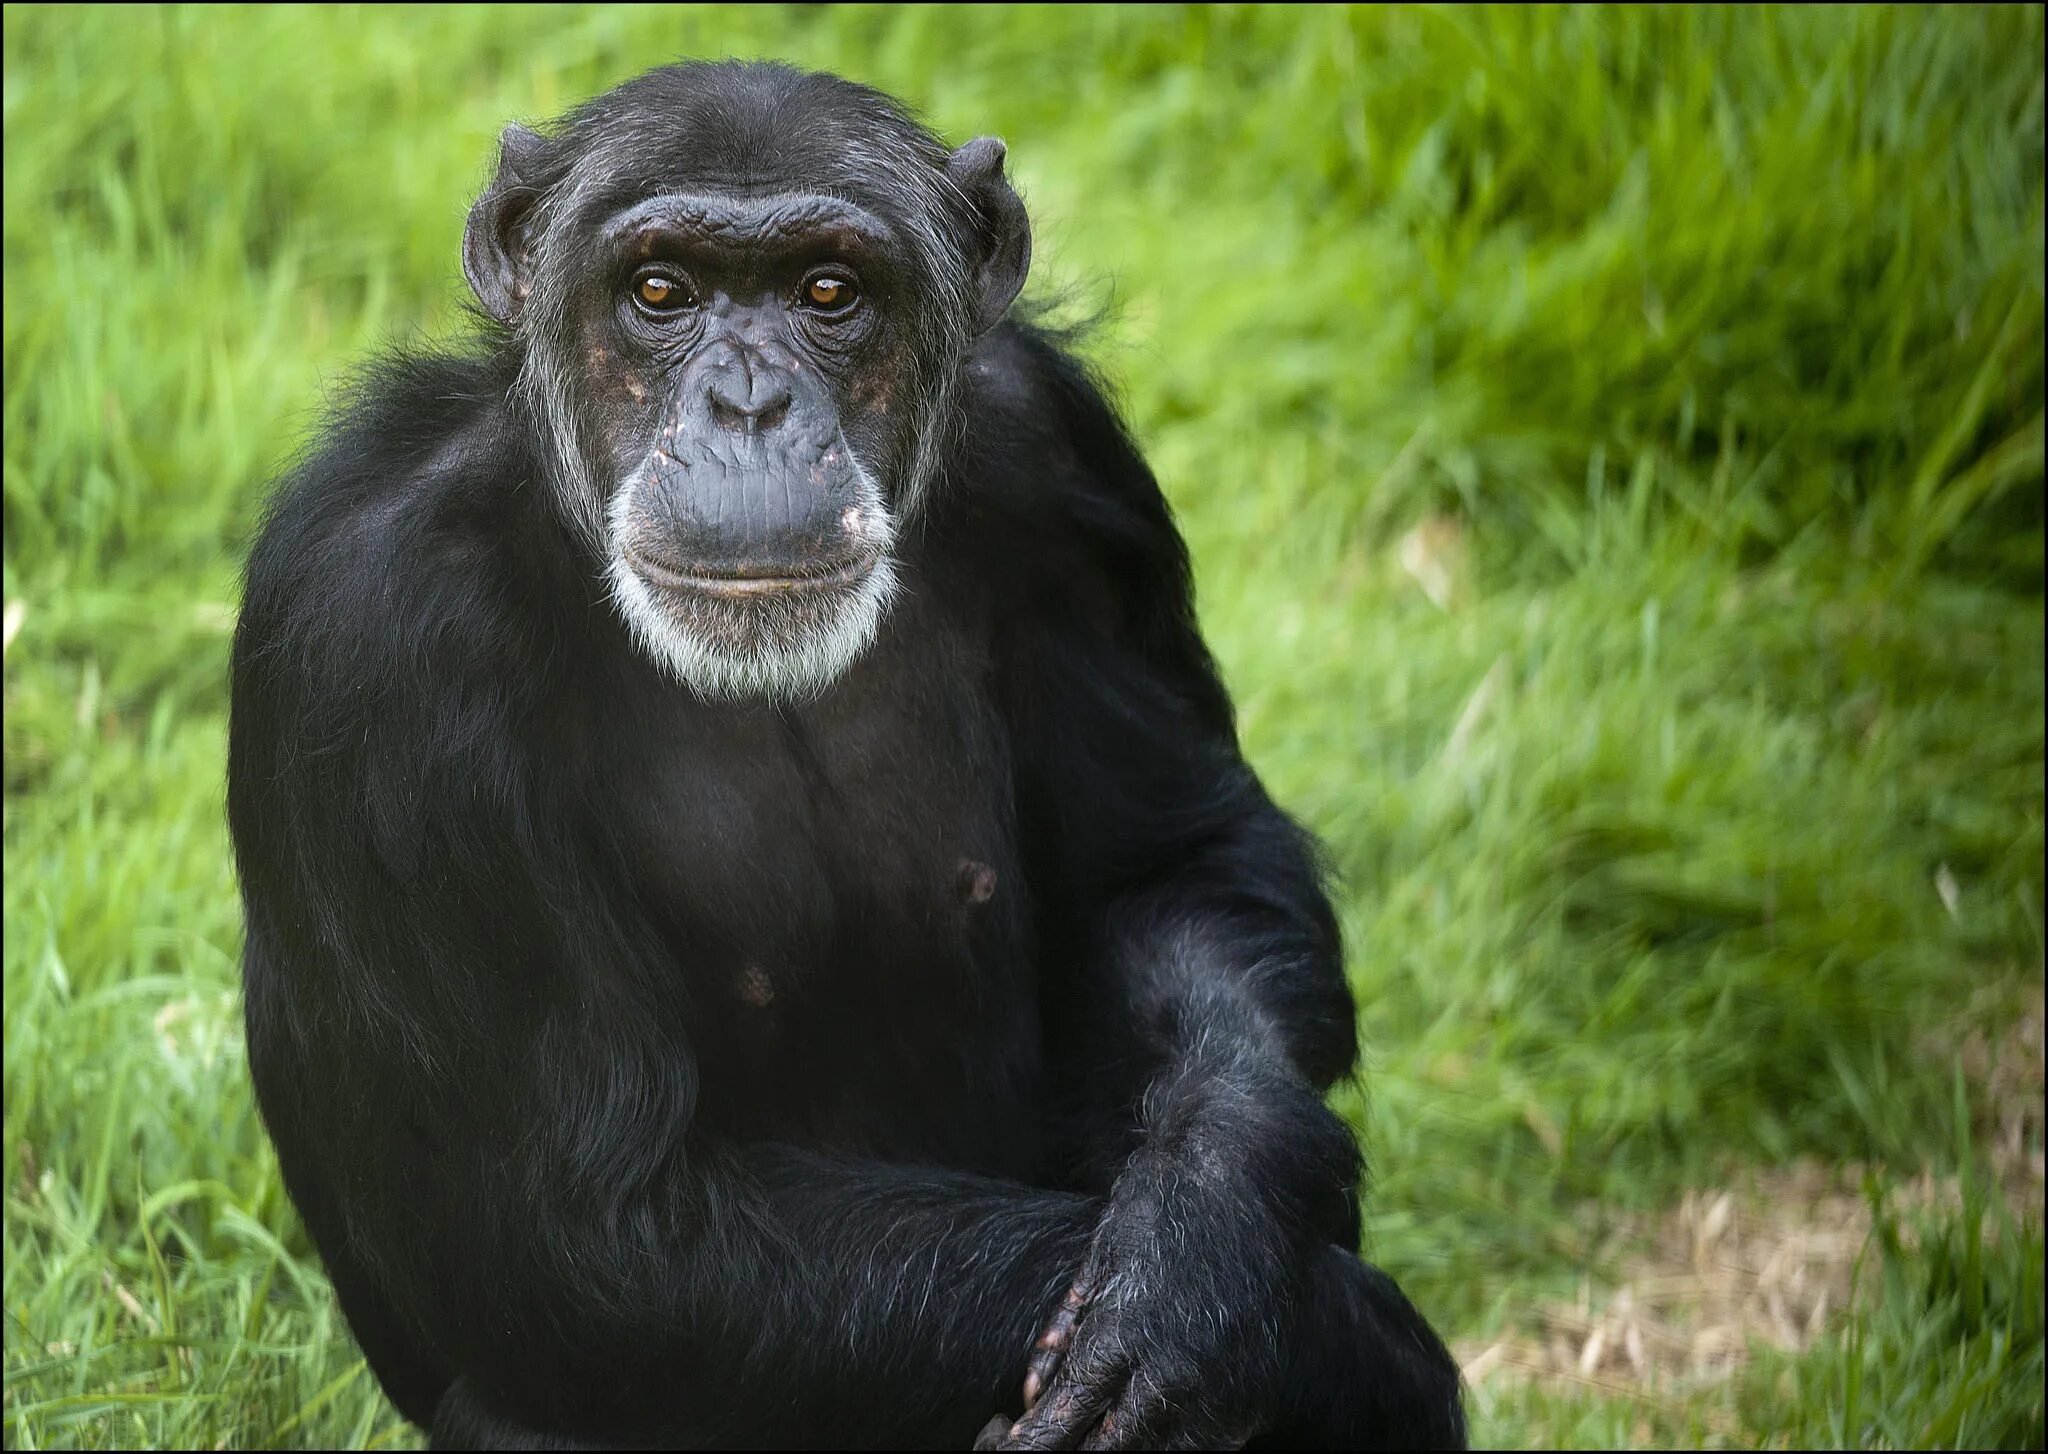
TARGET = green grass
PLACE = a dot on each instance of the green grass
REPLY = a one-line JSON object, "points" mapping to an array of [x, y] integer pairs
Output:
{"points": [[1703, 347]]}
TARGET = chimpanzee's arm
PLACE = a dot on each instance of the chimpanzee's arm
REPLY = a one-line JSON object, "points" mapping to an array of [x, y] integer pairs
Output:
{"points": [[1196, 976], [1198, 998], [1189, 937]]}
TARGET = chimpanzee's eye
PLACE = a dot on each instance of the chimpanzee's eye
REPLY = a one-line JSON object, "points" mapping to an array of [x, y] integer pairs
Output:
{"points": [[829, 292], [659, 292]]}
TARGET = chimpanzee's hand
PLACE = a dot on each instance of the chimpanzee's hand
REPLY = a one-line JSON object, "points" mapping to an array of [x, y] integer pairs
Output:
{"points": [[1165, 1340], [1176, 1333]]}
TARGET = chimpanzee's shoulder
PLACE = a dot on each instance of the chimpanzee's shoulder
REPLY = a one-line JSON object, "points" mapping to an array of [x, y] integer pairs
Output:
{"points": [[1059, 511], [403, 526], [1044, 444], [409, 437]]}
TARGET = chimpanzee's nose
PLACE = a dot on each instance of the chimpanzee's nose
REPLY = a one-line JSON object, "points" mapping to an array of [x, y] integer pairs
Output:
{"points": [[749, 399]]}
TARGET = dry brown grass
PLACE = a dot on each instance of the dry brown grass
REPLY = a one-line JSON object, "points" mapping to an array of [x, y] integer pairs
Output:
{"points": [[1769, 1262]]}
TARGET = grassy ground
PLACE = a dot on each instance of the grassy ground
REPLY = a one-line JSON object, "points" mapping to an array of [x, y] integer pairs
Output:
{"points": [[1611, 444]]}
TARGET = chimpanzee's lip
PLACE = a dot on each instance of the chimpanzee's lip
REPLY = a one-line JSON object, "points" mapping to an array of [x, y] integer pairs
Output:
{"points": [[739, 583]]}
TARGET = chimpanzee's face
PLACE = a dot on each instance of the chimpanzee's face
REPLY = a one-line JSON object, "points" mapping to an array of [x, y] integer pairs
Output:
{"points": [[742, 314], [751, 367]]}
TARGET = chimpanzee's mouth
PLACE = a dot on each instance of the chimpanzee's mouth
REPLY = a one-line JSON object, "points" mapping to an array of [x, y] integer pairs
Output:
{"points": [[744, 582], [777, 611]]}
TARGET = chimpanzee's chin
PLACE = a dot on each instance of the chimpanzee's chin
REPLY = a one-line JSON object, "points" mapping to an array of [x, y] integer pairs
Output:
{"points": [[756, 636]]}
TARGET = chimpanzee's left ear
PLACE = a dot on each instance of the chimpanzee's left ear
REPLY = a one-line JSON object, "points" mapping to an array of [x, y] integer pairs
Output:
{"points": [[497, 244], [1005, 258]]}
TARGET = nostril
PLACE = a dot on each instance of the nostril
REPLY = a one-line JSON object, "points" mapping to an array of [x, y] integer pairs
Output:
{"points": [[754, 406]]}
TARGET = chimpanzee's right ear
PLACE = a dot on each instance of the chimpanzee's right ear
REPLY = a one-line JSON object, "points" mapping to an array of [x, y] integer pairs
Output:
{"points": [[497, 245]]}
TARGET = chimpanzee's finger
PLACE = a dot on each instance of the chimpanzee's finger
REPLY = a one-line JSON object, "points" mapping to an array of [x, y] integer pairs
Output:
{"points": [[1152, 1420], [1068, 1410], [1146, 1416], [1052, 1344], [993, 1433], [1137, 1420]]}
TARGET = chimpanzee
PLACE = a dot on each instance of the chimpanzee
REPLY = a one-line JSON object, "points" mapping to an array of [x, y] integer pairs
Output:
{"points": [[759, 929]]}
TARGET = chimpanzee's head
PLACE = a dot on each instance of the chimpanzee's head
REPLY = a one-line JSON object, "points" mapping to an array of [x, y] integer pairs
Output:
{"points": [[743, 293]]}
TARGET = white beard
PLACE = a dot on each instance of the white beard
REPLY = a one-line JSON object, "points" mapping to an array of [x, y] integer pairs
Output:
{"points": [[766, 649]]}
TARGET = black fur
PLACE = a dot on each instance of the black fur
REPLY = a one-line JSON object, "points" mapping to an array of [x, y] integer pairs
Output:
{"points": [[655, 1071]]}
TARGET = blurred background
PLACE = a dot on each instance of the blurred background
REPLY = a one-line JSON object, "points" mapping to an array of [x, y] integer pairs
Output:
{"points": [[1611, 447]]}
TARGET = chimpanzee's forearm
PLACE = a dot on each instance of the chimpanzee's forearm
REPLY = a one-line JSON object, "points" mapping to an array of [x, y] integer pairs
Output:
{"points": [[728, 1292], [1227, 982], [905, 1296]]}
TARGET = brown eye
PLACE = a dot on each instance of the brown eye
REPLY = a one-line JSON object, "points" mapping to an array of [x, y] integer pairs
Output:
{"points": [[660, 293], [829, 294]]}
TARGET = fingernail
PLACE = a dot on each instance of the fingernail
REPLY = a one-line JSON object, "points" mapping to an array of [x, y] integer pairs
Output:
{"points": [[1030, 1388]]}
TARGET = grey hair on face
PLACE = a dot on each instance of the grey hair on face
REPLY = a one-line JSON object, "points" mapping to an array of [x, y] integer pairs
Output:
{"points": [[544, 386], [548, 390], [763, 650], [768, 646]]}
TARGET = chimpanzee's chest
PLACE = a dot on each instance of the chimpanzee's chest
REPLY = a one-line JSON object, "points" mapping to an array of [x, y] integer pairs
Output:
{"points": [[841, 887]]}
